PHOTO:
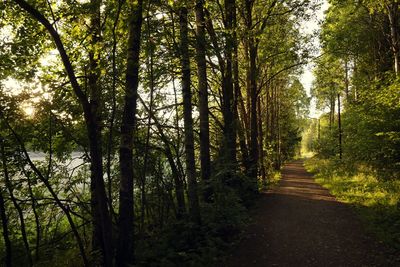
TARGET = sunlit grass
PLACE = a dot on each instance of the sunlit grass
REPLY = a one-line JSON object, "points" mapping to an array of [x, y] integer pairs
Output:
{"points": [[377, 200], [274, 179]]}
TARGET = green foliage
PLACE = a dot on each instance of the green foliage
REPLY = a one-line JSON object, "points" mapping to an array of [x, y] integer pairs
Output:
{"points": [[182, 243], [33, 78]]}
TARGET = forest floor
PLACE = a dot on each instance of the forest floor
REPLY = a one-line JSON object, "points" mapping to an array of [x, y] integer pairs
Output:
{"points": [[299, 223]]}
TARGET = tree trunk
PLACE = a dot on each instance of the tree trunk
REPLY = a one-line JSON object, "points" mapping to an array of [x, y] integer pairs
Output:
{"points": [[203, 99], [4, 221], [340, 128], [125, 243], [176, 174], [36, 215], [252, 91], [194, 209], [7, 242], [392, 10], [229, 144], [110, 139], [346, 78], [244, 117], [279, 131], [16, 204], [319, 129], [332, 112], [253, 114], [150, 67], [179, 177], [102, 225], [261, 144]]}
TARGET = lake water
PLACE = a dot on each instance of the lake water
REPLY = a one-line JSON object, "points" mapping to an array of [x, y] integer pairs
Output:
{"points": [[75, 161]]}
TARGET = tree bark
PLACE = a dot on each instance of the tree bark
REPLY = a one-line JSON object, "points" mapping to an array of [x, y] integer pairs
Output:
{"points": [[125, 242], [229, 144], [111, 129], [102, 225], [346, 78], [392, 10], [252, 91], [261, 144], [340, 129], [194, 209], [205, 166], [150, 66]]}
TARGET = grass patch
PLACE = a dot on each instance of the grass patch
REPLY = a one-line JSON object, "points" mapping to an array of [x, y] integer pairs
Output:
{"points": [[377, 200], [273, 180]]}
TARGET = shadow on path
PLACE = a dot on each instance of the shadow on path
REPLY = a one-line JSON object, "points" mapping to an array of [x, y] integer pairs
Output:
{"points": [[300, 224]]}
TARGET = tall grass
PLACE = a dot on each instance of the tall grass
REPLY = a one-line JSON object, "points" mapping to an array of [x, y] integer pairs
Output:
{"points": [[376, 199]]}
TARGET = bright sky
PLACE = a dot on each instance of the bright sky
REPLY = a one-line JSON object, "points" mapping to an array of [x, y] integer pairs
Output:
{"points": [[310, 26]]}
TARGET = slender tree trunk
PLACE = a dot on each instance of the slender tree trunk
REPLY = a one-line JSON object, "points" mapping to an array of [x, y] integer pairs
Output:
{"points": [[125, 243], [177, 177], [176, 166], [194, 209], [273, 124], [276, 129], [4, 221], [261, 144], [392, 10], [253, 114], [247, 107], [7, 242], [102, 225], [340, 128], [242, 143], [279, 131], [36, 215], [150, 66], [354, 88], [244, 117], [332, 112], [203, 98], [229, 145], [269, 114], [319, 129], [346, 78], [16, 204], [110, 141], [238, 103], [252, 91]]}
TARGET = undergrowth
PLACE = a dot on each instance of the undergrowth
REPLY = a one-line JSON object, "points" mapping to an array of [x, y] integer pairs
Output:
{"points": [[272, 181], [375, 198]]}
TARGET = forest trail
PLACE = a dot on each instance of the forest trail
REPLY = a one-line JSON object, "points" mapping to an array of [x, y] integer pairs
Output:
{"points": [[300, 224]]}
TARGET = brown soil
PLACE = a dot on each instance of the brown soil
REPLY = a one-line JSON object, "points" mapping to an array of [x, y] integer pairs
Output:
{"points": [[300, 224]]}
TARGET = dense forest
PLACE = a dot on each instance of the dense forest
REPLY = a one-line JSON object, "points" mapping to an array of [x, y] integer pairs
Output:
{"points": [[139, 132], [142, 132], [357, 88]]}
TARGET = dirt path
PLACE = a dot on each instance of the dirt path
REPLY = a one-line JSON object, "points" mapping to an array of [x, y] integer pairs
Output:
{"points": [[301, 224]]}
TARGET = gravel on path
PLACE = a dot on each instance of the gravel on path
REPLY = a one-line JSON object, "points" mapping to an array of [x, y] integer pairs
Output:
{"points": [[300, 223]]}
